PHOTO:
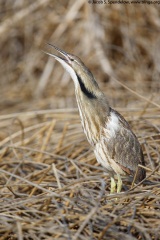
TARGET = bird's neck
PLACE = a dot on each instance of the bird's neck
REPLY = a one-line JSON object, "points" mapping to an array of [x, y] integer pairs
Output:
{"points": [[92, 104], [93, 108]]}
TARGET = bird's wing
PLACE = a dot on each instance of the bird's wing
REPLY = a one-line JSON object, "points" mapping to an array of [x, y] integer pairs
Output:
{"points": [[124, 148]]}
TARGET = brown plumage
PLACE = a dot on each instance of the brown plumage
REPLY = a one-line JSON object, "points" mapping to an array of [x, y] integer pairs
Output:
{"points": [[115, 145]]}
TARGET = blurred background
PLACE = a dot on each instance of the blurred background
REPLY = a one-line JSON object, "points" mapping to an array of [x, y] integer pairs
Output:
{"points": [[116, 41], [43, 150]]}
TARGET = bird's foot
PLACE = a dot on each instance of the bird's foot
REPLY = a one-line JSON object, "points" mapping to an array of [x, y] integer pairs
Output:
{"points": [[116, 187], [113, 186], [119, 184]]}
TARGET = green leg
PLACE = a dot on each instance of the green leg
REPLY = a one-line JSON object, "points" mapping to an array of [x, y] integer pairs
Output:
{"points": [[119, 184], [113, 185]]}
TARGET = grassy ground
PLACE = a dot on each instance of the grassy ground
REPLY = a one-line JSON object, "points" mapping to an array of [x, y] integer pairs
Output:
{"points": [[51, 185]]}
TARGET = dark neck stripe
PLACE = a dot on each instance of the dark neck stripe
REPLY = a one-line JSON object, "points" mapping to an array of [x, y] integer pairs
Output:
{"points": [[86, 92]]}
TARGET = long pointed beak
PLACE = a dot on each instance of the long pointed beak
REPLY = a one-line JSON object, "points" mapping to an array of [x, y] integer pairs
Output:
{"points": [[66, 55]]}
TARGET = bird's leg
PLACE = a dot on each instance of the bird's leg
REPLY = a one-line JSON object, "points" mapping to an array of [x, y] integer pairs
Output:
{"points": [[119, 184], [113, 185]]}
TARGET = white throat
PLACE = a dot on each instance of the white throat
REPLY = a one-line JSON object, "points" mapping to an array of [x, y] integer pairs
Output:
{"points": [[69, 70]]}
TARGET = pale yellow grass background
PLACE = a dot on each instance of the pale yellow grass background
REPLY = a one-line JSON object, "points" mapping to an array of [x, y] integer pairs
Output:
{"points": [[51, 186]]}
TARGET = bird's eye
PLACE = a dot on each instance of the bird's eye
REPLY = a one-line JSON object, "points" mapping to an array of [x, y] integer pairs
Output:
{"points": [[72, 59]]}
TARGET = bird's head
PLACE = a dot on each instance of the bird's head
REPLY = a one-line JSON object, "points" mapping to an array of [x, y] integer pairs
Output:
{"points": [[80, 74], [68, 60]]}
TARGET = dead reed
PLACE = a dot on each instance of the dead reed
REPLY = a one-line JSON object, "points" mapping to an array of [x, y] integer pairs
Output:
{"points": [[51, 186]]}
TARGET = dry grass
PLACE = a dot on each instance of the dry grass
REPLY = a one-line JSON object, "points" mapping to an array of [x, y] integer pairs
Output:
{"points": [[51, 186]]}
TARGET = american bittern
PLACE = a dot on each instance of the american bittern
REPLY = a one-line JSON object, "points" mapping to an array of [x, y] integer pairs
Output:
{"points": [[115, 145]]}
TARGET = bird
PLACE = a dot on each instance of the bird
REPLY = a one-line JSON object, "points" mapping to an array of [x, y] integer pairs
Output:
{"points": [[115, 145]]}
